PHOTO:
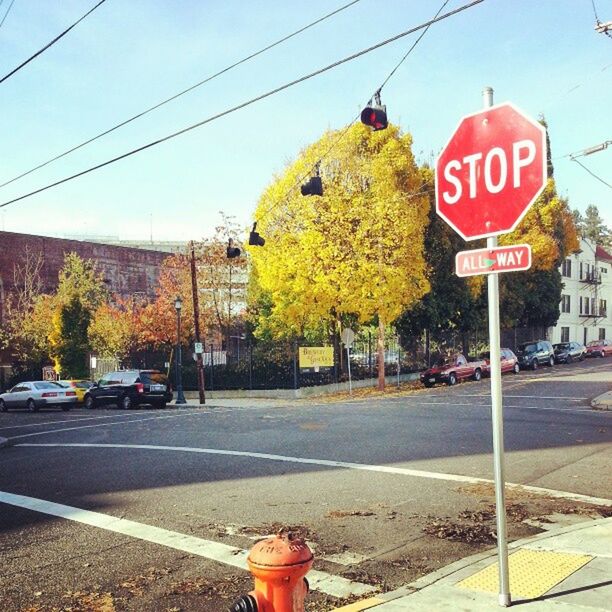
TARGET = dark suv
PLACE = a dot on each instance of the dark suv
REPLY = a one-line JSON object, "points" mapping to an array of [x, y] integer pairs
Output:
{"points": [[536, 353], [130, 388]]}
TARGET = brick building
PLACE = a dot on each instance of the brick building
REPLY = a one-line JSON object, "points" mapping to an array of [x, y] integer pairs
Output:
{"points": [[128, 271]]}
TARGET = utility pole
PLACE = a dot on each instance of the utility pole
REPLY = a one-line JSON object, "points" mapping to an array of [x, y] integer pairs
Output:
{"points": [[196, 325]]}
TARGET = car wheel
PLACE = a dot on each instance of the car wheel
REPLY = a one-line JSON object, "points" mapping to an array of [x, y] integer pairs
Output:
{"points": [[125, 402], [582, 357], [477, 374], [3, 407], [569, 359], [452, 379], [32, 406], [551, 361], [90, 402], [534, 364], [516, 368]]}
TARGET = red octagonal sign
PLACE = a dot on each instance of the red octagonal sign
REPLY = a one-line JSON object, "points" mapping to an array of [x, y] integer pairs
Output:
{"points": [[490, 172]]}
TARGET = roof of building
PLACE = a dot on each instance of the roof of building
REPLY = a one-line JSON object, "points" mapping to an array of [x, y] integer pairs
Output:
{"points": [[601, 253]]}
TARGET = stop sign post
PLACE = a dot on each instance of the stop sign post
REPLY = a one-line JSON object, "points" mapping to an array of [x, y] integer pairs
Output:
{"points": [[490, 172], [487, 176]]}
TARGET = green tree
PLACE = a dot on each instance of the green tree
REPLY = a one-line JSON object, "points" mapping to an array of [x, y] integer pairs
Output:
{"points": [[594, 229], [69, 339], [357, 250]]}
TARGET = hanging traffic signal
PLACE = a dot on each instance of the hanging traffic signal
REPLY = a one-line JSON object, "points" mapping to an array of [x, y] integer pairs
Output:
{"points": [[254, 238], [314, 186], [375, 115], [232, 251]]}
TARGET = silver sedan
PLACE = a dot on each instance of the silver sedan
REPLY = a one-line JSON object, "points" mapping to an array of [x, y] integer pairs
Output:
{"points": [[36, 395]]}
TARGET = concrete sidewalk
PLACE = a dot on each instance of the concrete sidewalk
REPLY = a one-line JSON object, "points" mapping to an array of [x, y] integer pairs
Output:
{"points": [[565, 569]]}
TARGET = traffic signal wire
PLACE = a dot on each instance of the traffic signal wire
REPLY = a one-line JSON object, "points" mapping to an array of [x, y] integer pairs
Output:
{"points": [[348, 127], [8, 10], [181, 93], [247, 103], [50, 44]]}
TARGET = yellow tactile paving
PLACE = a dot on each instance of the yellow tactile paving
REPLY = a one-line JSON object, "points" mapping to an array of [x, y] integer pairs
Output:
{"points": [[532, 572], [364, 604]]}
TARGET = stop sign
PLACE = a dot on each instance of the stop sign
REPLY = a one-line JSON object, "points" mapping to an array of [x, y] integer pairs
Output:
{"points": [[490, 172]]}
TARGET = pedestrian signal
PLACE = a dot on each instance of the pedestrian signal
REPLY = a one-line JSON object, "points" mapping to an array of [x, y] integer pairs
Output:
{"points": [[254, 238]]}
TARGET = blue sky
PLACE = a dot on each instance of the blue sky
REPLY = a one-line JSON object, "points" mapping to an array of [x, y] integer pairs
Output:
{"points": [[542, 55]]}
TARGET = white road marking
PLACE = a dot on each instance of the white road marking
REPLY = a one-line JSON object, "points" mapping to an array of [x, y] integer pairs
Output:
{"points": [[49, 431], [486, 405], [77, 418], [341, 464], [507, 395], [215, 551]]}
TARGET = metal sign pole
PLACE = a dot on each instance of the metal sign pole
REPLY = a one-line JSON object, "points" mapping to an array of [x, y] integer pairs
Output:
{"points": [[348, 363], [497, 416]]}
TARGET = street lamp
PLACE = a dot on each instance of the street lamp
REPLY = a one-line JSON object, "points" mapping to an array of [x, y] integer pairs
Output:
{"points": [[180, 398]]}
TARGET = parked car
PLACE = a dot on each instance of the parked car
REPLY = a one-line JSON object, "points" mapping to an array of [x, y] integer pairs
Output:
{"points": [[599, 348], [129, 389], [536, 353], [38, 394], [566, 352], [449, 370], [79, 386], [509, 362]]}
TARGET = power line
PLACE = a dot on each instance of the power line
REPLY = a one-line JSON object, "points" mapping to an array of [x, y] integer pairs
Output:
{"points": [[592, 173], [248, 102], [12, 72], [181, 93], [348, 127], [8, 10]]}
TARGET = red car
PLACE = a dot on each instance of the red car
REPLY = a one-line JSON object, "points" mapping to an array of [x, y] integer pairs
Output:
{"points": [[449, 370], [509, 362], [599, 348]]}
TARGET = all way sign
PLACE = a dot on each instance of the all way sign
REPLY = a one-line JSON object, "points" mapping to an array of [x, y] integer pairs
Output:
{"points": [[496, 259]]}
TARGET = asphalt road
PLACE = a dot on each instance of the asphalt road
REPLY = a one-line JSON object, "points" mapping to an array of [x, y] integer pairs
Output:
{"points": [[154, 509]]}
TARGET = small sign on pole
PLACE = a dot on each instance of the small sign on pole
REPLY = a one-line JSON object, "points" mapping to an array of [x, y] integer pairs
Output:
{"points": [[199, 348], [493, 260]]}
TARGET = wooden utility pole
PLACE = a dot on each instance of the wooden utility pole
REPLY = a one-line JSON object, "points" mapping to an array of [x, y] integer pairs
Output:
{"points": [[196, 325]]}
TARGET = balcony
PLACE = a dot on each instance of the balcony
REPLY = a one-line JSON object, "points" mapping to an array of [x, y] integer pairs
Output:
{"points": [[602, 314], [593, 278]]}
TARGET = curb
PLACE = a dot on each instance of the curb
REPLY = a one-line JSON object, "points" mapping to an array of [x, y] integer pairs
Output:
{"points": [[444, 572], [603, 401]]}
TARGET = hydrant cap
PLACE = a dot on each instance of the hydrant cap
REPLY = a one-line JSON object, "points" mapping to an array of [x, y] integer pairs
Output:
{"points": [[280, 551]]}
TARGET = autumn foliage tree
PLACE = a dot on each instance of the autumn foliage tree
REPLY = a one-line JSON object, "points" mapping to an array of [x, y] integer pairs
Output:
{"points": [[357, 250]]}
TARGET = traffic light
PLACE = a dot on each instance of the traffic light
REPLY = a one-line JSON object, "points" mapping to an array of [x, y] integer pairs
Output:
{"points": [[375, 115], [254, 238], [314, 186], [232, 251]]}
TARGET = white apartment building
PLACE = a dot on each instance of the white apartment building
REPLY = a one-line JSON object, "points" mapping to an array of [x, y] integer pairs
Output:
{"points": [[587, 291]]}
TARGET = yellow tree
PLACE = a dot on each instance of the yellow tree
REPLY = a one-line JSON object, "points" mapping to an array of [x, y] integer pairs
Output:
{"points": [[358, 249]]}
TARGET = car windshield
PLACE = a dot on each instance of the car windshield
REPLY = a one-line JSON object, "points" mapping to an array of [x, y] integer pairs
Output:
{"points": [[84, 384], [562, 347], [157, 378], [48, 385], [594, 343], [527, 348]]}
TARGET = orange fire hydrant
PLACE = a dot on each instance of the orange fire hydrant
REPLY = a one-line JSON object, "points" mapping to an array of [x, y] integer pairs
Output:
{"points": [[279, 566]]}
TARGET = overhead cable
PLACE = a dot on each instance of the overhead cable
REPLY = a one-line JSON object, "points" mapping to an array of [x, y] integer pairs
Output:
{"points": [[248, 102], [181, 93], [8, 10], [592, 173], [12, 72]]}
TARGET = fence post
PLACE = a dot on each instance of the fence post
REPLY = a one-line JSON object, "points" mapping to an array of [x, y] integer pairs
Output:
{"points": [[296, 384], [212, 367], [370, 352], [250, 365]]}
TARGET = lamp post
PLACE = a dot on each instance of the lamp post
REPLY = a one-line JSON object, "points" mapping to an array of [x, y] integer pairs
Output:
{"points": [[180, 398]]}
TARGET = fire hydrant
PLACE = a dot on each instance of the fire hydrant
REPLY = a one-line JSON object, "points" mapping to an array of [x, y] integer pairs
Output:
{"points": [[279, 566]]}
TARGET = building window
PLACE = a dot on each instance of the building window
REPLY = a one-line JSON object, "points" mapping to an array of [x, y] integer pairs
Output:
{"points": [[584, 341], [565, 303], [602, 333], [566, 268], [603, 308], [584, 306], [604, 270], [565, 334]]}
